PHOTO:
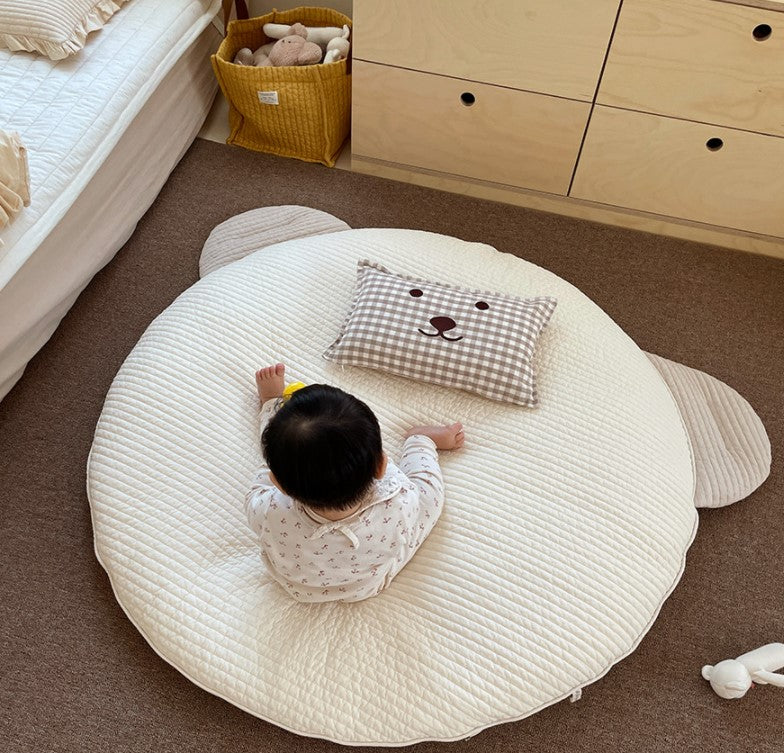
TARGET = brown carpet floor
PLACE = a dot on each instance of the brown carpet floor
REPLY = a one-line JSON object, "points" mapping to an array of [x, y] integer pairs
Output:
{"points": [[76, 676]]}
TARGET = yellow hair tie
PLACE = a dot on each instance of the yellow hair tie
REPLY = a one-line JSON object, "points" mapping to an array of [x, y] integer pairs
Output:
{"points": [[291, 389]]}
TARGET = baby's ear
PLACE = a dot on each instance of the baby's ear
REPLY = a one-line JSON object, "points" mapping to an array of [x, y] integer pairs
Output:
{"points": [[382, 466], [707, 671]]}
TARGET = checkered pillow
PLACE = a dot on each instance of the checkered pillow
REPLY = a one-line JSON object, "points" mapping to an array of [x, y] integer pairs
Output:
{"points": [[480, 342]]}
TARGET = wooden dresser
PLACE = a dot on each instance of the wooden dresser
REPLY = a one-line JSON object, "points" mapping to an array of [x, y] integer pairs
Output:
{"points": [[662, 115]]}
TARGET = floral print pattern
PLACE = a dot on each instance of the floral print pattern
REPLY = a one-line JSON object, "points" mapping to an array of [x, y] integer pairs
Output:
{"points": [[316, 559]]}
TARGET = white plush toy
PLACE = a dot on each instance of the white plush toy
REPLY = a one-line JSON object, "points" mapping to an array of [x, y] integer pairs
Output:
{"points": [[333, 41], [338, 47], [733, 677], [321, 35]]}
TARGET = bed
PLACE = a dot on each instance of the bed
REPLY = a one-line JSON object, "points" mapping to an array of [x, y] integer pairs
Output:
{"points": [[103, 129]]}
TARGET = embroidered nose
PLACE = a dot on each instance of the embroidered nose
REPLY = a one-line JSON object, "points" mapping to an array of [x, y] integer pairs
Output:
{"points": [[443, 323]]}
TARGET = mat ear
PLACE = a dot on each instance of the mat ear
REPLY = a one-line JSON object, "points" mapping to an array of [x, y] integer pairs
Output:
{"points": [[707, 671]]}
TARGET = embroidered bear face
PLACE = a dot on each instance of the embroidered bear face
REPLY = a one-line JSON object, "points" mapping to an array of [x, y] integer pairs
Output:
{"points": [[479, 341], [442, 324]]}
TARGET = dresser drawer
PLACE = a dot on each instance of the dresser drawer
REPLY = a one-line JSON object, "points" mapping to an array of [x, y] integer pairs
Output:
{"points": [[701, 60], [506, 136], [682, 169], [550, 46]]}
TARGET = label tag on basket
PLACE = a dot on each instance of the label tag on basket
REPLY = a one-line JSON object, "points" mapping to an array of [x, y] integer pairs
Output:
{"points": [[268, 98]]}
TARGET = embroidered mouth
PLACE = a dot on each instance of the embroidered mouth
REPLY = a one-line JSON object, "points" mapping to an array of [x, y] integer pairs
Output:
{"points": [[440, 334]]}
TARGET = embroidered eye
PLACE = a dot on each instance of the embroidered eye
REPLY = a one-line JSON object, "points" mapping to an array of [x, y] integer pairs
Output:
{"points": [[482, 306], [415, 293]]}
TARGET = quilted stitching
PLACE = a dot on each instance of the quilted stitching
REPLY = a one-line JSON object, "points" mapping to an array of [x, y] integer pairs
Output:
{"points": [[257, 228], [729, 441], [70, 114], [563, 530], [56, 29]]}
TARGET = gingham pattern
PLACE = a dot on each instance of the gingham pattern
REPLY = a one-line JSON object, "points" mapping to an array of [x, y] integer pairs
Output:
{"points": [[489, 350]]}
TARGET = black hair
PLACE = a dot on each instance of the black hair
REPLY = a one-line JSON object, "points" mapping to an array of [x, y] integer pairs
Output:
{"points": [[324, 447]]}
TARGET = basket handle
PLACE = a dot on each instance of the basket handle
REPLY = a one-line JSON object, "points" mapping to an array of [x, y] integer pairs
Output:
{"points": [[242, 12]]}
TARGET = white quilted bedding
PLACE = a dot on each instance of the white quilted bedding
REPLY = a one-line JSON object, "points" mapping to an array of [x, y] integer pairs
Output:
{"points": [[71, 114], [564, 527], [103, 131]]}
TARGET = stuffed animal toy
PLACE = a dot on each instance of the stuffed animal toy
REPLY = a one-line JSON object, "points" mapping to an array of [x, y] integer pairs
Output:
{"points": [[321, 35], [731, 678], [335, 47], [246, 56], [293, 49], [338, 47]]}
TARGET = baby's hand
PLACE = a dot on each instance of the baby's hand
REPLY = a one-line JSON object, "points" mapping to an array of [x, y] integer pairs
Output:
{"points": [[446, 437]]}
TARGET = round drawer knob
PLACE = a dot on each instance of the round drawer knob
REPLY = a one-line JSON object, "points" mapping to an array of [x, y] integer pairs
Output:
{"points": [[714, 144], [467, 99], [761, 32]]}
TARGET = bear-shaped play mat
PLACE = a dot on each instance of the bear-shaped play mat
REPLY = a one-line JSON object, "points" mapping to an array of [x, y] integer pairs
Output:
{"points": [[564, 529]]}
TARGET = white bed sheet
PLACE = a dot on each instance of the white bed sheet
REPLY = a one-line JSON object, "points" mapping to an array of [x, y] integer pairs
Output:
{"points": [[103, 131]]}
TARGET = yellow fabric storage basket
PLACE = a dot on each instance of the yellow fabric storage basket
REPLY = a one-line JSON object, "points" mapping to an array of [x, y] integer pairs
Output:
{"points": [[294, 111]]}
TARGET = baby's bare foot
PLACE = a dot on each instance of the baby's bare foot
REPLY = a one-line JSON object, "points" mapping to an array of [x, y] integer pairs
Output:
{"points": [[446, 437], [269, 382]]}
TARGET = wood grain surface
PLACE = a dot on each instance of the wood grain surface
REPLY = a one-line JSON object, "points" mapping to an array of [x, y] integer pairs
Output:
{"points": [[663, 165], [699, 60], [505, 136], [553, 47]]}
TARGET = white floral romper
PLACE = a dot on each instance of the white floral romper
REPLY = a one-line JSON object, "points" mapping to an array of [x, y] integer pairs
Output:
{"points": [[316, 559]]}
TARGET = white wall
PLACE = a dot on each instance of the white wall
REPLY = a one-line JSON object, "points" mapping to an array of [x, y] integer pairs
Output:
{"points": [[260, 7]]}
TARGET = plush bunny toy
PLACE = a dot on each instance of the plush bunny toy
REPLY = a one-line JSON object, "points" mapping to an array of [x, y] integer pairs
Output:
{"points": [[731, 678], [338, 47], [331, 41], [293, 49]]}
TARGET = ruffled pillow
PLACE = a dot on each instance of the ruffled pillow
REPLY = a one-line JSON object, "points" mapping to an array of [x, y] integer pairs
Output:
{"points": [[55, 28]]}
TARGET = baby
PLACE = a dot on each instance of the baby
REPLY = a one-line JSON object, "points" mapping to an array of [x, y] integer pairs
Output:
{"points": [[336, 520]]}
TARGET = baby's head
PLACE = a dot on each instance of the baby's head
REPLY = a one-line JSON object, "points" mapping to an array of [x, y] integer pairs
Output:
{"points": [[324, 447]]}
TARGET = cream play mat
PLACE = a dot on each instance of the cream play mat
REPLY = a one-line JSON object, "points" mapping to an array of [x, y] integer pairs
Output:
{"points": [[564, 529]]}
